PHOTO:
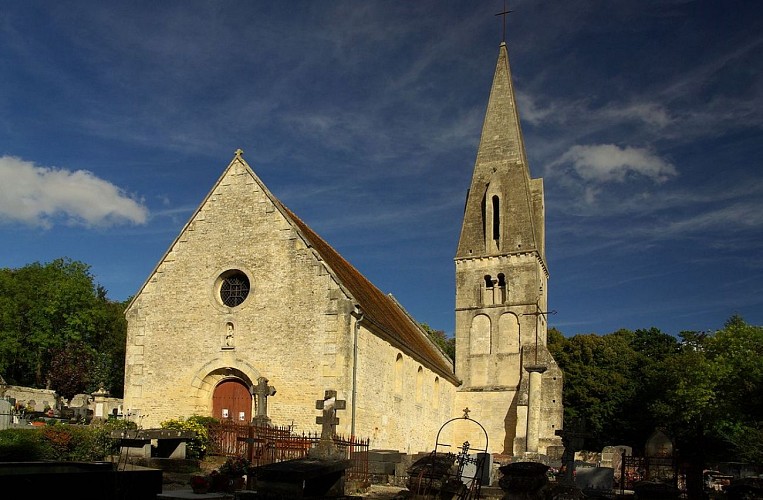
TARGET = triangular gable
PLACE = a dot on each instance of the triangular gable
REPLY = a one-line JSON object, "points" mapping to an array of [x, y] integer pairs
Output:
{"points": [[381, 314]]}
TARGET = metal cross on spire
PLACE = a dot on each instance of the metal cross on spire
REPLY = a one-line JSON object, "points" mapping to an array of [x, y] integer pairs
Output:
{"points": [[504, 14]]}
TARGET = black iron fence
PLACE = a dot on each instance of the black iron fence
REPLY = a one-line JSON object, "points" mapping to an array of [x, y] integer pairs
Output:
{"points": [[656, 469]]}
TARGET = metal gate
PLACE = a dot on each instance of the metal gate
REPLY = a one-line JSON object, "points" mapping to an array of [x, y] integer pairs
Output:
{"points": [[456, 474]]}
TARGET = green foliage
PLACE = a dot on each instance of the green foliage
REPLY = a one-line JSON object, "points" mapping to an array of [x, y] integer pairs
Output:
{"points": [[23, 445], [48, 310], [59, 442], [197, 447], [445, 343], [706, 388], [597, 385], [98, 442], [93, 443], [118, 424]]}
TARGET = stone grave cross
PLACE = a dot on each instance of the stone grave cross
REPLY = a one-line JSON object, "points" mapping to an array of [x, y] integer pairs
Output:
{"points": [[573, 441], [329, 404], [262, 390], [326, 449]]}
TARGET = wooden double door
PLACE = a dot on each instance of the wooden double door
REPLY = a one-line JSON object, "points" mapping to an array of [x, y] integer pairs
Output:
{"points": [[232, 402]]}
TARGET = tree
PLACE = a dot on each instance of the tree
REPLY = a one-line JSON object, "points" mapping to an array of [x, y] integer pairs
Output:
{"points": [[598, 385], [11, 344], [737, 352], [47, 308], [651, 347], [71, 369], [706, 388], [445, 343]]}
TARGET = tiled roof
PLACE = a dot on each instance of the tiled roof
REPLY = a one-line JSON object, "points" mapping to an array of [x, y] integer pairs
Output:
{"points": [[386, 317]]}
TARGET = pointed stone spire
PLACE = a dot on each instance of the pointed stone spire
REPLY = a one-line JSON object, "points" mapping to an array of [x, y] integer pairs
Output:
{"points": [[501, 181], [501, 138]]}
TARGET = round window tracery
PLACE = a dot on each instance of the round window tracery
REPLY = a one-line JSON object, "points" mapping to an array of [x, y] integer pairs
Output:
{"points": [[234, 288]]}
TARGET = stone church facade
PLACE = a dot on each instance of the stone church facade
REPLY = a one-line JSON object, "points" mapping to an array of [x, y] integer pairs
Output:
{"points": [[249, 296]]}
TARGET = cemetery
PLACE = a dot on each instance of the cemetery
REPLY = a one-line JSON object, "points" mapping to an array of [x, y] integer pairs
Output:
{"points": [[264, 461], [248, 289]]}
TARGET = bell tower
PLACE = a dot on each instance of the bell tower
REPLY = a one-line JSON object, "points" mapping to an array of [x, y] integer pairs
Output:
{"points": [[511, 383]]}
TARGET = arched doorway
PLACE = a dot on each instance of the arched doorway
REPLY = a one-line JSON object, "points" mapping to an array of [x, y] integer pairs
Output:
{"points": [[232, 402]]}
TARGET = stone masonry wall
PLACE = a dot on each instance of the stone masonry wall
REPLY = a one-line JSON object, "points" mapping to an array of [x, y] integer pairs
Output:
{"points": [[295, 328], [404, 414]]}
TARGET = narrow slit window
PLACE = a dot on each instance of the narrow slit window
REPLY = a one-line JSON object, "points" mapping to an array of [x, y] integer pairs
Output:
{"points": [[496, 218]]}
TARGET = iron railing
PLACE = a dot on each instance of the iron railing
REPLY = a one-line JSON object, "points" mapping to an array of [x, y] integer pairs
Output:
{"points": [[263, 445]]}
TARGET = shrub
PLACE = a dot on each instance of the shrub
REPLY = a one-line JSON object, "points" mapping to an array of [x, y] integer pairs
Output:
{"points": [[61, 442], [235, 466], [23, 445], [197, 447]]}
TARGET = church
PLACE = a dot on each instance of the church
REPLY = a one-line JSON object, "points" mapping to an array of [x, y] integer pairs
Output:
{"points": [[251, 315]]}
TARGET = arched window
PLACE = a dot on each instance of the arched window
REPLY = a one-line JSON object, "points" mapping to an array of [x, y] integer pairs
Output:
{"points": [[419, 384], [508, 334], [501, 293], [436, 396], [479, 336], [399, 374]]}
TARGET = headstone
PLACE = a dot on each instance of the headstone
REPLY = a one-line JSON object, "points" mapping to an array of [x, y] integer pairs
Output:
{"points": [[612, 456], [79, 400], [477, 467], [5, 413], [595, 481], [659, 444], [524, 480], [660, 466], [321, 473]]}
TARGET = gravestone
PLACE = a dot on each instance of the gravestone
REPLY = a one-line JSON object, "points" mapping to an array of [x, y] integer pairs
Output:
{"points": [[262, 390], [321, 474], [5, 414], [573, 440], [659, 458], [326, 448], [524, 480], [596, 481], [99, 403], [612, 456], [659, 444], [478, 467]]}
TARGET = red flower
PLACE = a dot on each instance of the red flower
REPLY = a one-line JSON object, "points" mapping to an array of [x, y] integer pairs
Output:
{"points": [[199, 481]]}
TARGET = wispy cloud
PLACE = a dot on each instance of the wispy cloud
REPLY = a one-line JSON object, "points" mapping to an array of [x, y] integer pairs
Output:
{"points": [[599, 164], [43, 196]]}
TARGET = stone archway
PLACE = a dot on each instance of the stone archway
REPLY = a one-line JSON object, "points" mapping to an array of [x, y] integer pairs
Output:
{"points": [[232, 401]]}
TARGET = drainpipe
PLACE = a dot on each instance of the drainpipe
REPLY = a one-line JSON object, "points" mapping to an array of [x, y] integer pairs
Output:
{"points": [[355, 365]]}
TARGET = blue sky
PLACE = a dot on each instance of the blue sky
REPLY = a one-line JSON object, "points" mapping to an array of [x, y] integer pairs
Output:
{"points": [[644, 119]]}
